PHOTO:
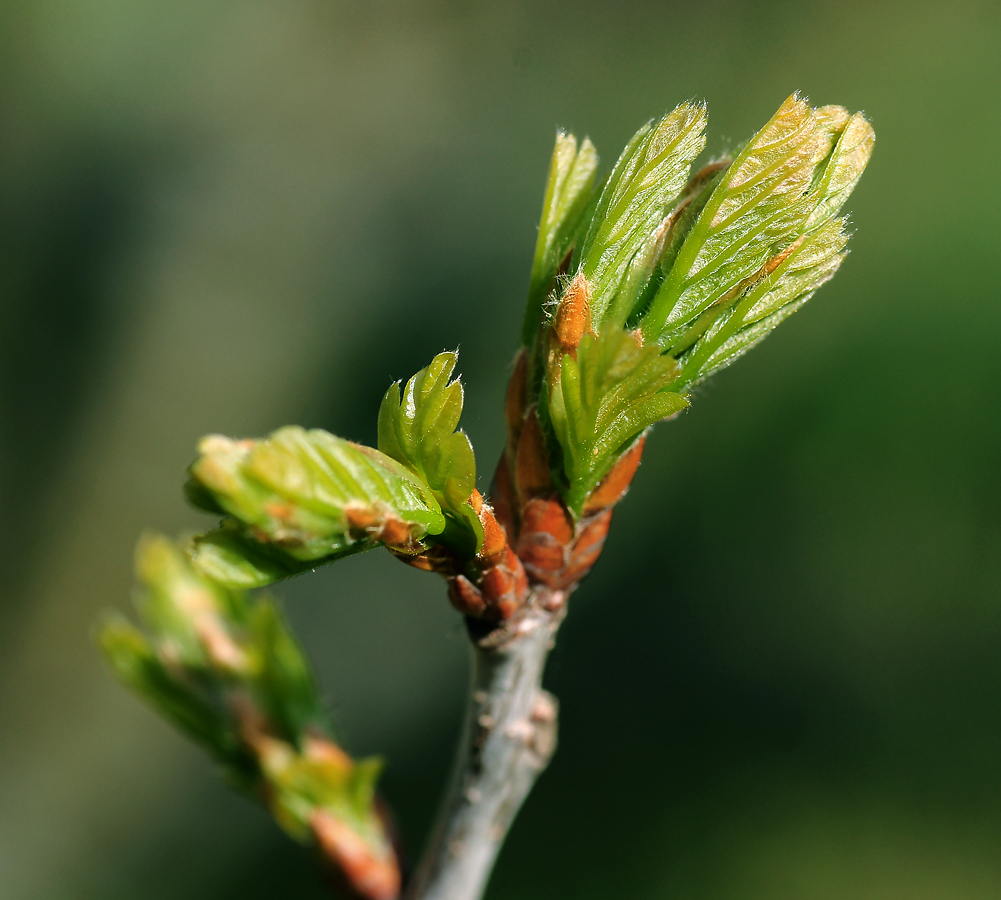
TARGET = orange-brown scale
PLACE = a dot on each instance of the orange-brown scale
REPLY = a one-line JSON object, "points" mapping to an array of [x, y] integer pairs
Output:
{"points": [[531, 472], [573, 316], [374, 876], [381, 525], [614, 485], [556, 550], [495, 585]]}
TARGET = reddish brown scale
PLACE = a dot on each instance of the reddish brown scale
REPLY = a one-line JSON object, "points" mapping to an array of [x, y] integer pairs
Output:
{"points": [[616, 483], [500, 494], [776, 261], [381, 526], [507, 607], [371, 876], [502, 585], [587, 548], [434, 559], [593, 531], [281, 511], [543, 558], [550, 578], [531, 475], [514, 400], [421, 561], [465, 596], [548, 515], [573, 315], [520, 581], [494, 540], [394, 532], [360, 517], [496, 584]]}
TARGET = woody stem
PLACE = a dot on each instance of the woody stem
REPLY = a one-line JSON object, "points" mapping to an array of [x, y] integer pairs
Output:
{"points": [[508, 739]]}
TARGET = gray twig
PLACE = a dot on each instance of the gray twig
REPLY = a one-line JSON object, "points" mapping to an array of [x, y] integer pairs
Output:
{"points": [[508, 739]]}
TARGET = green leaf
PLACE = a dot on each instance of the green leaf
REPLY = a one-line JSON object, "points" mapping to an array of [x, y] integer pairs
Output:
{"points": [[569, 190], [226, 669], [305, 492], [134, 663], [841, 172], [760, 206], [285, 683], [626, 236], [738, 320], [603, 400], [418, 430], [770, 300], [230, 556]]}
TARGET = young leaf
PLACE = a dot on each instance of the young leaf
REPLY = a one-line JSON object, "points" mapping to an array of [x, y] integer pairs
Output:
{"points": [[802, 269], [738, 320], [230, 556], [625, 229], [417, 430], [313, 495], [855, 142], [760, 206], [227, 671], [602, 401], [569, 189], [134, 662]]}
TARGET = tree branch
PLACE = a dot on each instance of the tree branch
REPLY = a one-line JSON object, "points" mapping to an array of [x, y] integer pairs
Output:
{"points": [[508, 739]]}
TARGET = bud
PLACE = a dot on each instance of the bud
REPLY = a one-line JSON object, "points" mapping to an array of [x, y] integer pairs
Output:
{"points": [[573, 316]]}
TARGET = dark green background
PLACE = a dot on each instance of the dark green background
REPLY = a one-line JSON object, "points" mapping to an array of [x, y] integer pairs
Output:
{"points": [[783, 680]]}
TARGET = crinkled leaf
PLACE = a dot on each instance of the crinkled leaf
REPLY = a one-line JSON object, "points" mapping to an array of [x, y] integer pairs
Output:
{"points": [[417, 429], [233, 557], [133, 661], [627, 231], [772, 298], [226, 670], [204, 639], [285, 681], [761, 205], [295, 490], [600, 403], [840, 174], [569, 190]]}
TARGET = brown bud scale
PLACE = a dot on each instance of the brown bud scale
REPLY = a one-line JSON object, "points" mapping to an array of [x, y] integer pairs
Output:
{"points": [[465, 596], [373, 875], [614, 485], [531, 475], [514, 399], [573, 315], [501, 495]]}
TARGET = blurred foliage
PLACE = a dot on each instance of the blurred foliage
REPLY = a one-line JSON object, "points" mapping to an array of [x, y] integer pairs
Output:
{"points": [[226, 670], [217, 216]]}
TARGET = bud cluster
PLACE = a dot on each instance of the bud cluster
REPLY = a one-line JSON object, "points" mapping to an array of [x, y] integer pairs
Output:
{"points": [[226, 669]]}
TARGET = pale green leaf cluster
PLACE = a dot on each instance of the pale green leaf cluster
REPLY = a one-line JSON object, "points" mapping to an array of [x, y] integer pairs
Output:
{"points": [[723, 333], [295, 489], [417, 428], [570, 188], [220, 666], [788, 181], [626, 235], [697, 269], [602, 401]]}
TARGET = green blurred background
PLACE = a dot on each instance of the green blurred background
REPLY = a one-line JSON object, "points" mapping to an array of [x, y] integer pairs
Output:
{"points": [[782, 681]]}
